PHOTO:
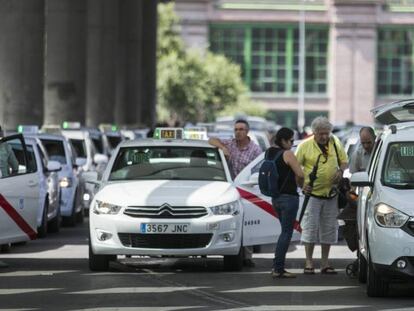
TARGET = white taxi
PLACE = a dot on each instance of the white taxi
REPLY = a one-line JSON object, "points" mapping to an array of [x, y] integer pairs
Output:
{"points": [[19, 193], [175, 197], [385, 212]]}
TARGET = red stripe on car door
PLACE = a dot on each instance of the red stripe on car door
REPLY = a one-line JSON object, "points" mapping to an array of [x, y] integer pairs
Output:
{"points": [[15, 216], [264, 205]]}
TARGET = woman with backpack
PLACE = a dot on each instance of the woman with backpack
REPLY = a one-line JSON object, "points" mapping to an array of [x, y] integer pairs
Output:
{"points": [[286, 203]]}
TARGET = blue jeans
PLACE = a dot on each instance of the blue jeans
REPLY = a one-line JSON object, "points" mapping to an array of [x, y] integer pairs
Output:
{"points": [[286, 205]]}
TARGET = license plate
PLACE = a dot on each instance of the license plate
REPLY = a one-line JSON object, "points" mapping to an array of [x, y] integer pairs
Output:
{"points": [[164, 228]]}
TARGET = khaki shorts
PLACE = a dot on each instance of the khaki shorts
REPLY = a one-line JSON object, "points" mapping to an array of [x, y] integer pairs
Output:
{"points": [[319, 224]]}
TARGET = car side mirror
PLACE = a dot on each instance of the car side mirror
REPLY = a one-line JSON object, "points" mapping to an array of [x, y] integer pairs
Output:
{"points": [[252, 181], [53, 166], [361, 179], [100, 158], [91, 177], [80, 162]]}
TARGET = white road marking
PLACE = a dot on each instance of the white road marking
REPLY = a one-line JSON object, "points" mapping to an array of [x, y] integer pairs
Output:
{"points": [[135, 290], [11, 291], [35, 273], [146, 308], [297, 289], [295, 308]]}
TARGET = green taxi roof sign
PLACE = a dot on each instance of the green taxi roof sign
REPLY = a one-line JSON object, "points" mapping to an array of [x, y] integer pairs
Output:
{"points": [[71, 125], [168, 133]]}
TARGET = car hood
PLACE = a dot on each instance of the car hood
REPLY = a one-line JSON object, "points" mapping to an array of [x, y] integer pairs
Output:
{"points": [[173, 192], [400, 199]]}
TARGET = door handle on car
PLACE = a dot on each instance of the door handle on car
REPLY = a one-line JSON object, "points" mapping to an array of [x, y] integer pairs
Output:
{"points": [[32, 183]]}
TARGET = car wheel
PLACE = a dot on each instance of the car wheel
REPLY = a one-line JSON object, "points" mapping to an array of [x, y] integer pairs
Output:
{"points": [[54, 224], [362, 268], [71, 220], [377, 286], [234, 262], [42, 229], [99, 262], [80, 215]]}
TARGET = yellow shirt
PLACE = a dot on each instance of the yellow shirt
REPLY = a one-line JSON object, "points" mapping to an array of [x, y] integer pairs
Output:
{"points": [[307, 154]]}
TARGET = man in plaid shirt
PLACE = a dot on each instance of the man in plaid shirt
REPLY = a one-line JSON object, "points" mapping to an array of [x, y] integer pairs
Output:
{"points": [[239, 151]]}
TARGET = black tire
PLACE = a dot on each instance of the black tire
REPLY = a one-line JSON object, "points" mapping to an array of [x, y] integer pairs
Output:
{"points": [[5, 248], [234, 262], [377, 286], [362, 268], [99, 262], [71, 220], [79, 216], [54, 225], [42, 229]]}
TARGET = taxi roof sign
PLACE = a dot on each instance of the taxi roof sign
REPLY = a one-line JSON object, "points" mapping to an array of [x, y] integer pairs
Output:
{"points": [[107, 127], [28, 129], [71, 125], [168, 133], [195, 133]]}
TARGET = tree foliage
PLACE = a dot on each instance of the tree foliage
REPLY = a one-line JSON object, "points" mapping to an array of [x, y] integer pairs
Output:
{"points": [[194, 85]]}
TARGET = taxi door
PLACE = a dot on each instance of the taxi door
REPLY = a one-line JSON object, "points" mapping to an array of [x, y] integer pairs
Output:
{"points": [[260, 223], [19, 193]]}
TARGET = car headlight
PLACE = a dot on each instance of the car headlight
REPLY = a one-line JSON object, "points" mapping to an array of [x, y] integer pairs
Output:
{"points": [[65, 182], [387, 216], [232, 208], [106, 208]]}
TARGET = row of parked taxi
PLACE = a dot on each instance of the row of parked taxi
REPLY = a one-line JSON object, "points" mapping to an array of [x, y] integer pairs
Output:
{"points": [[48, 189]]}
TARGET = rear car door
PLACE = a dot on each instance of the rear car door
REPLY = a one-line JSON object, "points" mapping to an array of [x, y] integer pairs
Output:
{"points": [[19, 194], [261, 223]]}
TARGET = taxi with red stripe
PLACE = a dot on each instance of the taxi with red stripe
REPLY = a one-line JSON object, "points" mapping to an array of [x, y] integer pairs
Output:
{"points": [[171, 196]]}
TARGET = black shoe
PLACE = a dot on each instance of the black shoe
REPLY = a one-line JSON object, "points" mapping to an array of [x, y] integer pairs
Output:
{"points": [[248, 263]]}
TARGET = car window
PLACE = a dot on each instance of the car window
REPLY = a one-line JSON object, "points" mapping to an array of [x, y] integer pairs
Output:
{"points": [[114, 141], [168, 163], [97, 142], [256, 168], [79, 147], [399, 165], [55, 150], [12, 158]]}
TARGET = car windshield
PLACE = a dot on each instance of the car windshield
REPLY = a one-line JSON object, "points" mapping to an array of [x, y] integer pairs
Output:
{"points": [[114, 141], [97, 142], [55, 150], [168, 163], [399, 166], [79, 146]]}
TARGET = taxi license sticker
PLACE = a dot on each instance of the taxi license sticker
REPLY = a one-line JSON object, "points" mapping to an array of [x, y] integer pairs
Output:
{"points": [[407, 150], [164, 228]]}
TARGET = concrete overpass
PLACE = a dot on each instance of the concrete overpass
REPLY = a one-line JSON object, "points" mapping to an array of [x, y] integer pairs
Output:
{"points": [[87, 60]]}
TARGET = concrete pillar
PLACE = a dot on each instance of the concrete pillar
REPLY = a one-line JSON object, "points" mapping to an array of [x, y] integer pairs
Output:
{"points": [[129, 82], [353, 42], [102, 26], [149, 63], [65, 61], [21, 62]]}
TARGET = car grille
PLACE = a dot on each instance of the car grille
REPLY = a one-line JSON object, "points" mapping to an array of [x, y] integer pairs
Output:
{"points": [[167, 241], [166, 211]]}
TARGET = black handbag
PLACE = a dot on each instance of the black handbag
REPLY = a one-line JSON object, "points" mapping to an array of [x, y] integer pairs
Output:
{"points": [[343, 187]]}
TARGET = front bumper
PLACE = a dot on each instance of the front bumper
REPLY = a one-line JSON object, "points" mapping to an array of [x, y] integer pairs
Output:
{"points": [[394, 272], [208, 235]]}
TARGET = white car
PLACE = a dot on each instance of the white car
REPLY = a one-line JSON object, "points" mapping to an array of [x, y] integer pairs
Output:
{"points": [[48, 216], [19, 196], [59, 149], [385, 214], [177, 198]]}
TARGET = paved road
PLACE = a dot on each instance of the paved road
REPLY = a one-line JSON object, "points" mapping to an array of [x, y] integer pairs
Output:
{"points": [[53, 274]]}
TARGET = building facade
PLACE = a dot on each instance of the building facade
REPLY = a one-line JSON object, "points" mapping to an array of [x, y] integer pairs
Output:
{"points": [[358, 53]]}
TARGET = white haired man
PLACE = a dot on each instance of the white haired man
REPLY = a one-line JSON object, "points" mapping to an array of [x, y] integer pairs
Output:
{"points": [[319, 223]]}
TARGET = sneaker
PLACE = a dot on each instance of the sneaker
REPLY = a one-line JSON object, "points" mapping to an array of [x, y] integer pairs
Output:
{"points": [[283, 275], [248, 263]]}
